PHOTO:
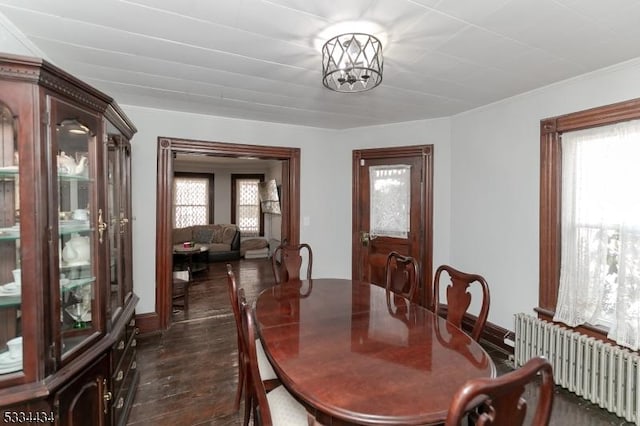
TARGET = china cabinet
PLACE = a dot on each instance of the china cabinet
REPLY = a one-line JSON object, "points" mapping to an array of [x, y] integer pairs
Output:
{"points": [[67, 326]]}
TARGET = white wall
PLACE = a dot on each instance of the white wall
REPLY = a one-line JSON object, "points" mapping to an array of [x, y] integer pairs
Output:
{"points": [[14, 42], [329, 237], [495, 182]]}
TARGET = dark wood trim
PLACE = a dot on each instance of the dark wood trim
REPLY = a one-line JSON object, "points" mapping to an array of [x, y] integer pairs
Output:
{"points": [[148, 323], [167, 148], [234, 178], [211, 178], [551, 130]]}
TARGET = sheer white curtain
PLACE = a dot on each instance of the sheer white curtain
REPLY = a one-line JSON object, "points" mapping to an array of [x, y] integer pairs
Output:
{"points": [[600, 257]]}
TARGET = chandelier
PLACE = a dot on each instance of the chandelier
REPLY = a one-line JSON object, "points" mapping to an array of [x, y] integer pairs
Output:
{"points": [[352, 63]]}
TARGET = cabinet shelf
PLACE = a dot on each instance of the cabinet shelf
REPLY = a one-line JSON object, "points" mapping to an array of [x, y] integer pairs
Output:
{"points": [[76, 283]]}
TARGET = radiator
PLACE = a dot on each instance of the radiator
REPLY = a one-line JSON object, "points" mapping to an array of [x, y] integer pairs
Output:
{"points": [[602, 373]]}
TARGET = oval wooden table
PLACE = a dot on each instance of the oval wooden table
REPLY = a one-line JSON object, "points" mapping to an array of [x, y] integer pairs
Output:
{"points": [[352, 351]]}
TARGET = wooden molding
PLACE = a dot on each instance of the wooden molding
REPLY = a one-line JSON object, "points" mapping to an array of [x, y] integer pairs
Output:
{"points": [[167, 148], [551, 130], [148, 323]]}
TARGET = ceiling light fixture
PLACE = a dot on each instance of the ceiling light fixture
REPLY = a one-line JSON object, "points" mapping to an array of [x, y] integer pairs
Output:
{"points": [[352, 62]]}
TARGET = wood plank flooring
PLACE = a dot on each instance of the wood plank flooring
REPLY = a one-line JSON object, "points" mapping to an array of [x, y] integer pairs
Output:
{"points": [[188, 374]]}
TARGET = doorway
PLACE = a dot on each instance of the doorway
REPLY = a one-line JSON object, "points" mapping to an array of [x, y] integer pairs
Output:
{"points": [[168, 148], [393, 211]]}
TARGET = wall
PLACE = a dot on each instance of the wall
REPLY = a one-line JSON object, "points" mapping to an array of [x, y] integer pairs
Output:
{"points": [[14, 42], [495, 182], [317, 150]]}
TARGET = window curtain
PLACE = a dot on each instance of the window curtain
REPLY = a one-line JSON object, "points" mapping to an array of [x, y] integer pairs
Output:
{"points": [[600, 249]]}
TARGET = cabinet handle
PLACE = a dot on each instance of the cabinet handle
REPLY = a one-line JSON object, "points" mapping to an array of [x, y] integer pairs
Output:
{"points": [[120, 376], [134, 343], [120, 402], [121, 345], [106, 396], [136, 331], [102, 226]]}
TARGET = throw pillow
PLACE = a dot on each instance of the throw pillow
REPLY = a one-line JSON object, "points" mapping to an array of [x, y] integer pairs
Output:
{"points": [[216, 234], [202, 235]]}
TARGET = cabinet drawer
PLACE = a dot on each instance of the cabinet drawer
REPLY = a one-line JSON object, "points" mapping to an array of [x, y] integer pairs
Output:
{"points": [[118, 349], [125, 392], [131, 328], [119, 373]]}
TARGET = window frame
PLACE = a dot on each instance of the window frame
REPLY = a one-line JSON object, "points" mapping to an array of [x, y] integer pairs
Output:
{"points": [[239, 176], [551, 130], [191, 175]]}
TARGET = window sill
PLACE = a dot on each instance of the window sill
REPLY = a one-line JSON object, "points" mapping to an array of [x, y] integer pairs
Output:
{"points": [[597, 332]]}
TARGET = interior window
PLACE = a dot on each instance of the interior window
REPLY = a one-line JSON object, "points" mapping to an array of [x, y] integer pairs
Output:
{"points": [[246, 204], [600, 221], [192, 199], [590, 221]]}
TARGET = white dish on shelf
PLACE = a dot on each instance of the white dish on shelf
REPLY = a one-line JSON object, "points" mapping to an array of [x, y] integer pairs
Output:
{"points": [[10, 289], [8, 364]]}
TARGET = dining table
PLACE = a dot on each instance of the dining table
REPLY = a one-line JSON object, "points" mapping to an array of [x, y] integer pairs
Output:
{"points": [[355, 353]]}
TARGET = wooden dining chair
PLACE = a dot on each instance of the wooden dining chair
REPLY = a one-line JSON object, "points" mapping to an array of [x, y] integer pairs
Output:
{"points": [[499, 401], [401, 275], [236, 296], [289, 258], [276, 407], [458, 299], [180, 290]]}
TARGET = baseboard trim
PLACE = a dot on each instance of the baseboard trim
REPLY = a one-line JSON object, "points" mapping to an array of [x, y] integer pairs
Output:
{"points": [[148, 322], [492, 333], [495, 335]]}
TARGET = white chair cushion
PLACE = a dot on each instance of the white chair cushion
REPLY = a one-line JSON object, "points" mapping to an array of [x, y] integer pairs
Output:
{"points": [[264, 366], [285, 410]]}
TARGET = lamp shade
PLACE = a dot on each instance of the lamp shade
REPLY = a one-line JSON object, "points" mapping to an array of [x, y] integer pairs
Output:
{"points": [[269, 200], [352, 63]]}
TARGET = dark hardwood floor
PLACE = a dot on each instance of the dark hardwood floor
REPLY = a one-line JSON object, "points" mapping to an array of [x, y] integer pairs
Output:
{"points": [[188, 374]]}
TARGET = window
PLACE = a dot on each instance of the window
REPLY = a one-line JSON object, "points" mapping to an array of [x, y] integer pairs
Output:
{"points": [[245, 204], [192, 199], [590, 222]]}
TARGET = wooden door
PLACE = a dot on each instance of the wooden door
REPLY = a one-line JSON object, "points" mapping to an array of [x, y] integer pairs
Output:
{"points": [[392, 211], [83, 401]]}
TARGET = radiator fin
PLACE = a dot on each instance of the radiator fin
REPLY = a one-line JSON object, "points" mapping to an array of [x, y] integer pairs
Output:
{"points": [[602, 373]]}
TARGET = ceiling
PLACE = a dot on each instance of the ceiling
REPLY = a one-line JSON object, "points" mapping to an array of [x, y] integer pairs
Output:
{"points": [[257, 59]]}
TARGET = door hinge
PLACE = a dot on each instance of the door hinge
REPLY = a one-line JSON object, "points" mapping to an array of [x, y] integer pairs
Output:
{"points": [[362, 162]]}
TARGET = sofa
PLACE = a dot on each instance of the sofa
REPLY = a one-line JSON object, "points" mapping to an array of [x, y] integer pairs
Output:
{"points": [[222, 240]]}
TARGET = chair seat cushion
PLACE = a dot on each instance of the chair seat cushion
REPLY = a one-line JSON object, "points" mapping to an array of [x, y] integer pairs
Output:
{"points": [[285, 410], [264, 366]]}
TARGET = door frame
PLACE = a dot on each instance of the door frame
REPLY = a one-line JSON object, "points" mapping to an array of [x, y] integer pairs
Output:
{"points": [[426, 206], [167, 150]]}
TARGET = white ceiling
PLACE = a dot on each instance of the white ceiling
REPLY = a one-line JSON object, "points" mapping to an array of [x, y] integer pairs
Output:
{"points": [[255, 59]]}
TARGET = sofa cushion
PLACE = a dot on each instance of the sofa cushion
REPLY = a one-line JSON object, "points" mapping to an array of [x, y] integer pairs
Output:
{"points": [[181, 235], [229, 231], [252, 244], [216, 247], [203, 234]]}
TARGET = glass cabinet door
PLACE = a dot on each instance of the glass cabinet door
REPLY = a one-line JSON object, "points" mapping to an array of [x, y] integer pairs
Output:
{"points": [[115, 274], [80, 224], [11, 353]]}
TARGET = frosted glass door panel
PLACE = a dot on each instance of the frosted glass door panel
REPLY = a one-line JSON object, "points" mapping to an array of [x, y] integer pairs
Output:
{"points": [[390, 200]]}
